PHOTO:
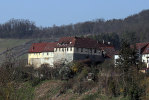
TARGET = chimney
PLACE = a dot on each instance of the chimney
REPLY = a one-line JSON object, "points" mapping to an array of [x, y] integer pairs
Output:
{"points": [[103, 42], [97, 41]]}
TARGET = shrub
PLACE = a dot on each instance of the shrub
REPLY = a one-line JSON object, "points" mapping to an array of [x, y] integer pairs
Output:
{"points": [[65, 73], [81, 86], [67, 85], [35, 81]]}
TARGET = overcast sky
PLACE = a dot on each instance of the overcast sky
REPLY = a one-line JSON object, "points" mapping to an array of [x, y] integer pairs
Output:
{"points": [[62, 12]]}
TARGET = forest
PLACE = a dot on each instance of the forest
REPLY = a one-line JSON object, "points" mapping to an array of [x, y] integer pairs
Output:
{"points": [[134, 28]]}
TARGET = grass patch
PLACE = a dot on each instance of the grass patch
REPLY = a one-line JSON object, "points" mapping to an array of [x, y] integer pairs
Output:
{"points": [[26, 92], [96, 96], [9, 43], [91, 96], [52, 92]]}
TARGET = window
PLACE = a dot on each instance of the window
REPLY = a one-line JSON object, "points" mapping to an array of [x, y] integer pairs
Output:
{"points": [[81, 49], [47, 53], [63, 49], [77, 49], [55, 49], [67, 49], [70, 48], [90, 50], [59, 49], [95, 51]]}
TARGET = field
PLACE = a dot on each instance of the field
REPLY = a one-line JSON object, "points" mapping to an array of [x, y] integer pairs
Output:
{"points": [[9, 43]]}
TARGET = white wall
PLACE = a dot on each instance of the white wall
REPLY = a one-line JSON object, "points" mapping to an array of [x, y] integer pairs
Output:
{"points": [[65, 54], [116, 57], [47, 58], [145, 59], [37, 59]]}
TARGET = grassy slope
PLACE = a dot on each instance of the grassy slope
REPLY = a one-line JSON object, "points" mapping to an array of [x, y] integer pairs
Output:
{"points": [[49, 90], [9, 43]]}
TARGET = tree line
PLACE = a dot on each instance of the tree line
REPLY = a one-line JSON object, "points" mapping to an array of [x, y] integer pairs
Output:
{"points": [[136, 26]]}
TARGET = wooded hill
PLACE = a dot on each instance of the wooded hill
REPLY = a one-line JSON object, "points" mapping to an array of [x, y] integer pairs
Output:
{"points": [[136, 26]]}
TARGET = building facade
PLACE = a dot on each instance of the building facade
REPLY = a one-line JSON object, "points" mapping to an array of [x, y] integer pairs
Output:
{"points": [[41, 53], [68, 49]]}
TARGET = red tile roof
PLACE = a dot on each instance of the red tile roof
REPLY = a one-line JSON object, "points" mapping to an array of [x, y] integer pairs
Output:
{"points": [[50, 47], [142, 47], [42, 47], [110, 51], [77, 42], [146, 49], [71, 42]]}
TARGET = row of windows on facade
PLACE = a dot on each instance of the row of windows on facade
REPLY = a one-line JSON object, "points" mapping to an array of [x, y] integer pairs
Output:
{"points": [[147, 61], [82, 50], [42, 53], [67, 49]]}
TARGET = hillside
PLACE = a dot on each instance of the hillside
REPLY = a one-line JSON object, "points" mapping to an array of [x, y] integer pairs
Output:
{"points": [[10, 43], [50, 90], [137, 23]]}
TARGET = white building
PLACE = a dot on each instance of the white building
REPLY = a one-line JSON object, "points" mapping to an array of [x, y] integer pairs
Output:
{"points": [[143, 51], [41, 53], [68, 49]]}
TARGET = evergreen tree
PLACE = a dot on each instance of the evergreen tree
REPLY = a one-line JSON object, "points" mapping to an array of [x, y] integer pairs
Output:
{"points": [[128, 65]]}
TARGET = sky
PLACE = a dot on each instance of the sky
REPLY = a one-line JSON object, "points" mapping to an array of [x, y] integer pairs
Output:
{"points": [[62, 12]]}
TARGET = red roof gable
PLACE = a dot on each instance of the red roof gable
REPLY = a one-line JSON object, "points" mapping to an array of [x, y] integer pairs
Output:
{"points": [[146, 49], [141, 45], [42, 47]]}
